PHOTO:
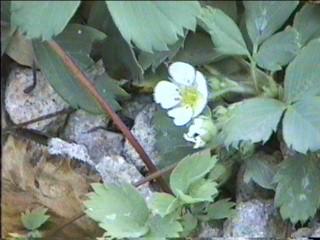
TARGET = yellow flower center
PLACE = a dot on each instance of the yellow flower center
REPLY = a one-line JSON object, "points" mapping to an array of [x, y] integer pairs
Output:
{"points": [[190, 97]]}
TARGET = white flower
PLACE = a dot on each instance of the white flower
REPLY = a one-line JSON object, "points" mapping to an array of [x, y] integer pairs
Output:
{"points": [[201, 131], [186, 96]]}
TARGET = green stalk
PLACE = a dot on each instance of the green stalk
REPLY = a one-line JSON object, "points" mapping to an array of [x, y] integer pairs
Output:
{"points": [[253, 68]]}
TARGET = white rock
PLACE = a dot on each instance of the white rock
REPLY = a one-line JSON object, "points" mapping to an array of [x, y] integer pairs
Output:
{"points": [[42, 100], [87, 129]]}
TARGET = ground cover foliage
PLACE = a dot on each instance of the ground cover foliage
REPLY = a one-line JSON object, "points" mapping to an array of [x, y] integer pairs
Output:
{"points": [[261, 65]]}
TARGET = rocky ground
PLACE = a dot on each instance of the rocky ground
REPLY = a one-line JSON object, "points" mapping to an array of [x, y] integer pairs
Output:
{"points": [[84, 148]]}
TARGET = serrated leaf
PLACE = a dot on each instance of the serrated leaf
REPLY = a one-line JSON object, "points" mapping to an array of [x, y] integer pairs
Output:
{"points": [[163, 228], [162, 22], [261, 169], [301, 125], [68, 87], [163, 204], [120, 210], [221, 209], [43, 19], [198, 50], [153, 60], [203, 191], [224, 32], [34, 219], [117, 55], [253, 120], [278, 50], [263, 18], [306, 21], [189, 170], [298, 190], [302, 74]]}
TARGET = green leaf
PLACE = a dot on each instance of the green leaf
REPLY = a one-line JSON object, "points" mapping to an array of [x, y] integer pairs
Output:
{"points": [[163, 228], [163, 204], [298, 189], [189, 223], [117, 55], [221, 209], [261, 168], [306, 21], [224, 32], [77, 40], [228, 7], [263, 18], [278, 50], [189, 170], [153, 60], [169, 139], [302, 74], [120, 210], [197, 50], [152, 25], [252, 120], [68, 86], [43, 19], [34, 219], [202, 191], [301, 125]]}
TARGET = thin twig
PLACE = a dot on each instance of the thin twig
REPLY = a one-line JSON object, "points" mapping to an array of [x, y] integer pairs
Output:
{"points": [[41, 118], [89, 86], [155, 175]]}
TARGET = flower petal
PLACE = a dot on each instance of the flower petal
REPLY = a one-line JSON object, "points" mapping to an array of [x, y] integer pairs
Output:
{"points": [[167, 94], [182, 73], [201, 85], [181, 115]]}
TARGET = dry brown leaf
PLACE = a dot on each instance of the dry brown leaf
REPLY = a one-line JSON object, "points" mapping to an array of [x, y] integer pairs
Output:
{"points": [[32, 179]]}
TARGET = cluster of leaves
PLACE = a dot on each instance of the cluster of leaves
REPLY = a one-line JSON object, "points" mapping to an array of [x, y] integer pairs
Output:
{"points": [[261, 60], [123, 212]]}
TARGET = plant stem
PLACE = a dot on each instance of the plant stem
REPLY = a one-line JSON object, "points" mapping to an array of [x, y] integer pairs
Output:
{"points": [[89, 86], [253, 67]]}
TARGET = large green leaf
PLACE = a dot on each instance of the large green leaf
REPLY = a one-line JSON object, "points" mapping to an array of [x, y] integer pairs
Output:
{"points": [[163, 228], [152, 25], [278, 50], [261, 168], [189, 170], [224, 32], [120, 210], [42, 19], [253, 120], [263, 18], [301, 125], [68, 87], [302, 74], [306, 21], [228, 7], [117, 55], [298, 189]]}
